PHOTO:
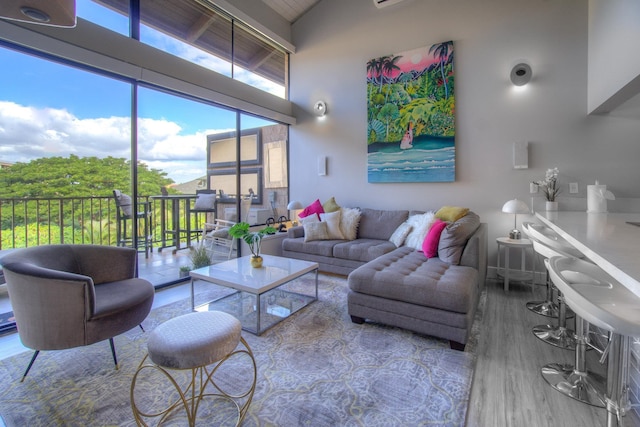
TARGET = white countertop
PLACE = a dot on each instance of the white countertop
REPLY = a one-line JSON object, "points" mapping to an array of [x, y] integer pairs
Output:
{"points": [[604, 238]]}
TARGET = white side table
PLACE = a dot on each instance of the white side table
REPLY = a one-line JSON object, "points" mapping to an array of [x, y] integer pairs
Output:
{"points": [[522, 275]]}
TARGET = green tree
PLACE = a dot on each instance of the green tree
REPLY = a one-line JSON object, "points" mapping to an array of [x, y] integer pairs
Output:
{"points": [[442, 52], [387, 114], [75, 176]]}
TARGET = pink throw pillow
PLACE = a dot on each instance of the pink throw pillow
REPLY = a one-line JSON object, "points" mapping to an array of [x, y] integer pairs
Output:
{"points": [[430, 244], [313, 208]]}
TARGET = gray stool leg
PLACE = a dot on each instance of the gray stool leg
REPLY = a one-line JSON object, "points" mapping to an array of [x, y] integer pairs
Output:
{"points": [[617, 397], [548, 307], [559, 335], [575, 381]]}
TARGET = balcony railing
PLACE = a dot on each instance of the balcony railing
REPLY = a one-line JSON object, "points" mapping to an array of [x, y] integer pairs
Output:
{"points": [[87, 220]]}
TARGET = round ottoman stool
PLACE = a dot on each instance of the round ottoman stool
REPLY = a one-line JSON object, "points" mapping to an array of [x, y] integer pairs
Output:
{"points": [[200, 342]]}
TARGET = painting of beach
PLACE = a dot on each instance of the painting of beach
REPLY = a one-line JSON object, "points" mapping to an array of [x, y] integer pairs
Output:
{"points": [[410, 116]]}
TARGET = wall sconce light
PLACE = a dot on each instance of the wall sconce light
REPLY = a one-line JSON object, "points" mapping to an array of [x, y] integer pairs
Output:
{"points": [[320, 108], [515, 207], [521, 74]]}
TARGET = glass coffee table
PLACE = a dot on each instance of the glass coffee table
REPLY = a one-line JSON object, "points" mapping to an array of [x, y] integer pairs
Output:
{"points": [[264, 296]]}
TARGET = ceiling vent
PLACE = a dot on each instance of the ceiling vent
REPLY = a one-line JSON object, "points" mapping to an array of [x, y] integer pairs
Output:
{"points": [[384, 3]]}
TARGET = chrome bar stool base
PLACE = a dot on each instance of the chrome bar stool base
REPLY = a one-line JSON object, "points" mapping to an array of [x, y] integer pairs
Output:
{"points": [[556, 336], [587, 387], [544, 308]]}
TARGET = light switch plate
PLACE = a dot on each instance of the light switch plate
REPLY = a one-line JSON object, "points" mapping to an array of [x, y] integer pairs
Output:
{"points": [[573, 188]]}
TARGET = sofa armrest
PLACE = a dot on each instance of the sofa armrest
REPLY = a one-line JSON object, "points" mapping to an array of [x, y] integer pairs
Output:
{"points": [[295, 232], [474, 253]]}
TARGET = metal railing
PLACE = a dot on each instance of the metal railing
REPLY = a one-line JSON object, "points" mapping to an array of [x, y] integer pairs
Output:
{"points": [[83, 220]]}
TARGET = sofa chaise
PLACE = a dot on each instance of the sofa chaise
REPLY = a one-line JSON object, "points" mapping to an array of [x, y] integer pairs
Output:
{"points": [[390, 279]]}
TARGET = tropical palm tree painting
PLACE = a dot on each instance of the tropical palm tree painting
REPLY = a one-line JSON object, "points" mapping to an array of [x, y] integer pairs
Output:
{"points": [[410, 116]]}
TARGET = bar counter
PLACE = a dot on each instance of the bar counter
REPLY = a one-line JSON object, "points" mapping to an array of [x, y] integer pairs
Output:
{"points": [[605, 238]]}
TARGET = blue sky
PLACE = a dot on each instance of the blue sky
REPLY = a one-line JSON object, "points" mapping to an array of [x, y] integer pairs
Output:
{"points": [[51, 109]]}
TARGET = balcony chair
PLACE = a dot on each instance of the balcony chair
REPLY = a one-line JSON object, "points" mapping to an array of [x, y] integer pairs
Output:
{"points": [[66, 296], [124, 213], [205, 203], [216, 238]]}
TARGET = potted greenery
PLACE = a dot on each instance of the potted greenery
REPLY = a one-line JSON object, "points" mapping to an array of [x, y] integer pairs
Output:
{"points": [[184, 271], [199, 257], [252, 238]]}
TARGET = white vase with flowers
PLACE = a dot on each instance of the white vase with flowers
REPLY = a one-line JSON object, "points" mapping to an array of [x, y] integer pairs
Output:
{"points": [[550, 188]]}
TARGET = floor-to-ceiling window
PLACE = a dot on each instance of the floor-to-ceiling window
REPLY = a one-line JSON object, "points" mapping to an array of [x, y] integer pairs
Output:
{"points": [[80, 113], [65, 140], [201, 33]]}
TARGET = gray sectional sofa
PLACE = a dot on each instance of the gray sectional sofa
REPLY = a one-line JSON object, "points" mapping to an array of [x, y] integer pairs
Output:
{"points": [[399, 285]]}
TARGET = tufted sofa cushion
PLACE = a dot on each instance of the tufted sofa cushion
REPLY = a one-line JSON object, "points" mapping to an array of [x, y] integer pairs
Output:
{"points": [[403, 275]]}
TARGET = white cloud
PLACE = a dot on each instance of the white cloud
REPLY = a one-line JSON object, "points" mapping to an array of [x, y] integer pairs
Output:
{"points": [[28, 133], [197, 56]]}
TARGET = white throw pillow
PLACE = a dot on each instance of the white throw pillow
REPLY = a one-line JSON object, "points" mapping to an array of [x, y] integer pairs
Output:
{"points": [[399, 236], [333, 224], [421, 224], [205, 201], [349, 221], [125, 204], [309, 219], [315, 231]]}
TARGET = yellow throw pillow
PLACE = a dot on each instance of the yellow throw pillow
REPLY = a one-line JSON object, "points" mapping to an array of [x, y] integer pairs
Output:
{"points": [[451, 213], [330, 205]]}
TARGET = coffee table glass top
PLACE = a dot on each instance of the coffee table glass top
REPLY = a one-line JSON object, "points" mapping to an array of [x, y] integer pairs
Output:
{"points": [[263, 296], [238, 273]]}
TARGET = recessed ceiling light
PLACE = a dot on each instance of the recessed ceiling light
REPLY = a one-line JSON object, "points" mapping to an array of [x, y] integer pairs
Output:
{"points": [[35, 14]]}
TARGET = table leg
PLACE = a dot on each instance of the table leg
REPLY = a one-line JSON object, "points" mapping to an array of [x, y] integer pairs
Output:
{"points": [[498, 268], [258, 305], [193, 305], [506, 269]]}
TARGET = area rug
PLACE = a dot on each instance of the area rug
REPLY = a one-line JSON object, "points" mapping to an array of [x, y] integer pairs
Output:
{"points": [[315, 368]]}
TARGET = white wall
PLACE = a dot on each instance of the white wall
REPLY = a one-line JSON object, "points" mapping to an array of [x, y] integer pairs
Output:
{"points": [[614, 66], [336, 39]]}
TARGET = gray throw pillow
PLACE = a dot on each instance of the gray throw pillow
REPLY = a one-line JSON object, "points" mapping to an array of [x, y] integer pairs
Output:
{"points": [[454, 238]]}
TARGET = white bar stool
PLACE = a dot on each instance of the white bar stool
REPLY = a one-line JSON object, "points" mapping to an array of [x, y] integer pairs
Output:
{"points": [[556, 335], [549, 238], [601, 300]]}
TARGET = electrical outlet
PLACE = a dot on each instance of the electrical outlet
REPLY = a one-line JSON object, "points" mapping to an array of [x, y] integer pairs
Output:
{"points": [[573, 188], [533, 188]]}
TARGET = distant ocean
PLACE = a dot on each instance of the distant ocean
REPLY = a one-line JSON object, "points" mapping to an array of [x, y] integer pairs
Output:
{"points": [[430, 160]]}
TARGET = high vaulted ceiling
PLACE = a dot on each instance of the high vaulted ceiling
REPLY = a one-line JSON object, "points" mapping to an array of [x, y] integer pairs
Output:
{"points": [[291, 10]]}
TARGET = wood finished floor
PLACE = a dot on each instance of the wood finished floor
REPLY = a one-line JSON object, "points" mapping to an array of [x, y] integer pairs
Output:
{"points": [[508, 389]]}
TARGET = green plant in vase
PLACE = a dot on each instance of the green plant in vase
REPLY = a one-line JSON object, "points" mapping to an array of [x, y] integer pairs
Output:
{"points": [[252, 238]]}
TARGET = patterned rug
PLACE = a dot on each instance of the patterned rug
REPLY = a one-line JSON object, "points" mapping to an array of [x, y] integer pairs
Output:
{"points": [[314, 368]]}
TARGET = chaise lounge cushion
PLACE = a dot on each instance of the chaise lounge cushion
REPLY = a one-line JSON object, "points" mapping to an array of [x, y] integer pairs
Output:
{"points": [[404, 275], [363, 250]]}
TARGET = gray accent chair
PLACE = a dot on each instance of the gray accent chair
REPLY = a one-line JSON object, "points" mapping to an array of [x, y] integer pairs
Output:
{"points": [[66, 296]]}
